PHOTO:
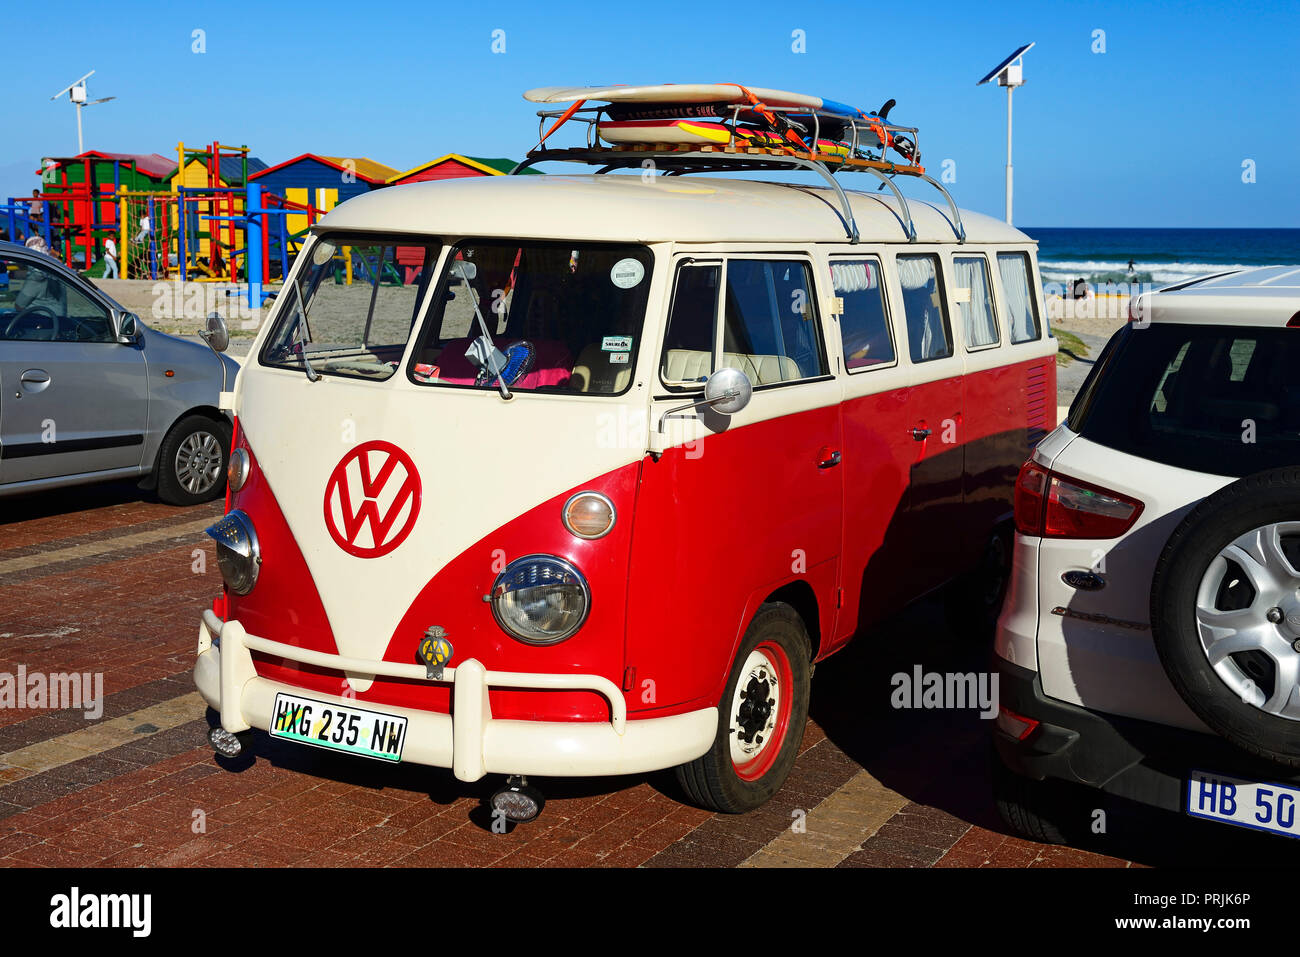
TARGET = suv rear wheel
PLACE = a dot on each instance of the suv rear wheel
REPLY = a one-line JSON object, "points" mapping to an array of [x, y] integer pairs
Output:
{"points": [[1042, 811], [1225, 613]]}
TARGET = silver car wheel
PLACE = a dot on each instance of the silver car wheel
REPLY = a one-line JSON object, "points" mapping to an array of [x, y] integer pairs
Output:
{"points": [[198, 462], [1248, 614]]}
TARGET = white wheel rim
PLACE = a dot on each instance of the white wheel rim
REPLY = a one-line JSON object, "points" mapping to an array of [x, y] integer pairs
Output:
{"points": [[750, 734], [1267, 624]]}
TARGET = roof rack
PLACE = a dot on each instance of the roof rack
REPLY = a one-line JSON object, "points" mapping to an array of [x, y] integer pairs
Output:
{"points": [[743, 154]]}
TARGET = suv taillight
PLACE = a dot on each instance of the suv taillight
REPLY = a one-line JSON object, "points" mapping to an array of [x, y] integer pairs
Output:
{"points": [[1055, 506], [1031, 486]]}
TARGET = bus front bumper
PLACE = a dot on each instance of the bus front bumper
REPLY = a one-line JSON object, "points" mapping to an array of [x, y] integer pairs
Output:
{"points": [[469, 741]]}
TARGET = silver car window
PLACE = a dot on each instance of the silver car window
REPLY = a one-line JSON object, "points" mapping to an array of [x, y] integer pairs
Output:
{"points": [[39, 304]]}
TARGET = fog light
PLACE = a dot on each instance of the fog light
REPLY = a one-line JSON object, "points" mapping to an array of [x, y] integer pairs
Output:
{"points": [[225, 743], [516, 801]]}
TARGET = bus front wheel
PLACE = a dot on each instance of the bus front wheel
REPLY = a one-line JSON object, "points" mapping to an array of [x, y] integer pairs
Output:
{"points": [[761, 717]]}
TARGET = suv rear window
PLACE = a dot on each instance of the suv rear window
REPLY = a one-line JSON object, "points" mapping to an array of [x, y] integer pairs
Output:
{"points": [[1221, 400]]}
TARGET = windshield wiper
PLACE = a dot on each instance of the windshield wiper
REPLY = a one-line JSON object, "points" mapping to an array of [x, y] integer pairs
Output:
{"points": [[303, 342], [494, 366], [303, 339]]}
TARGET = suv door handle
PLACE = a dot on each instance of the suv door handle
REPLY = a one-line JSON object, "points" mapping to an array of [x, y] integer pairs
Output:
{"points": [[920, 434], [828, 458], [34, 380]]}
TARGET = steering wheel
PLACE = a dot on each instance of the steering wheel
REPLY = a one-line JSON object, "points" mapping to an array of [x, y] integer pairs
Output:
{"points": [[33, 312]]}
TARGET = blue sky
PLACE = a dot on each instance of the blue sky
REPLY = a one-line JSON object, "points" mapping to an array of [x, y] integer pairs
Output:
{"points": [[1152, 132]]}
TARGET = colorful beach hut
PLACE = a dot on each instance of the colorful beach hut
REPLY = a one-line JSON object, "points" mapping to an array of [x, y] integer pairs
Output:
{"points": [[322, 182], [457, 166], [451, 166]]}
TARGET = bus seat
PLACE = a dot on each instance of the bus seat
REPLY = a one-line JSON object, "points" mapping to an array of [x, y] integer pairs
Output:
{"points": [[764, 370], [687, 365], [594, 372]]}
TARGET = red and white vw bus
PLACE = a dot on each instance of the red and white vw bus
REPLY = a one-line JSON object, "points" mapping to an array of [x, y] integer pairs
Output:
{"points": [[590, 493]]}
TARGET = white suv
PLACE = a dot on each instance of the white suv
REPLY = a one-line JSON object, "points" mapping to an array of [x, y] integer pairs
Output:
{"points": [[1149, 645]]}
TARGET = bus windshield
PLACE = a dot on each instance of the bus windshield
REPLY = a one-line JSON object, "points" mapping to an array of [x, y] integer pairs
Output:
{"points": [[535, 316], [351, 307]]}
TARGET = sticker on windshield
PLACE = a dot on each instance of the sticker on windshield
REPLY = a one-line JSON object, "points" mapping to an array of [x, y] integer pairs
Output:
{"points": [[627, 273], [616, 344], [618, 358]]}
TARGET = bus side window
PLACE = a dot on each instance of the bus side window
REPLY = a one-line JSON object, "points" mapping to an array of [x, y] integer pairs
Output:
{"points": [[864, 324], [692, 321], [929, 335], [1021, 303], [975, 301], [770, 332]]}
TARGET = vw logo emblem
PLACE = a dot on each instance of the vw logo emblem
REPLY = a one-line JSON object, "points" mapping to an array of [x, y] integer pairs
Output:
{"points": [[372, 499]]}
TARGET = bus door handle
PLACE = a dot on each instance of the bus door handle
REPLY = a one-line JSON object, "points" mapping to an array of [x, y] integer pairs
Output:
{"points": [[828, 457], [920, 434]]}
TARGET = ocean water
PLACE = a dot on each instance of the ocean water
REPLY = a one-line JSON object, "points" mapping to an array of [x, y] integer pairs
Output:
{"points": [[1159, 256]]}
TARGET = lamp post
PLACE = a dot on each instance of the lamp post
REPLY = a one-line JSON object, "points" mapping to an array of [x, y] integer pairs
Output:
{"points": [[77, 94], [1011, 74]]}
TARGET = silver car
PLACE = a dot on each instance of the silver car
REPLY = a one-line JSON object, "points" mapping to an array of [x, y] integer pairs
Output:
{"points": [[89, 393]]}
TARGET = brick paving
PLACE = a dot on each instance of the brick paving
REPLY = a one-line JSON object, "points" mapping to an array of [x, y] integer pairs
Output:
{"points": [[107, 580]]}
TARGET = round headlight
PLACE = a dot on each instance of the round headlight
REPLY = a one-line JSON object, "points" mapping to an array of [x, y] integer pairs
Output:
{"points": [[540, 599], [238, 554], [588, 515], [237, 469]]}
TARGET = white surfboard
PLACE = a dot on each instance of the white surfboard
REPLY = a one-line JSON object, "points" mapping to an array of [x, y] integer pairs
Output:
{"points": [[674, 93]]}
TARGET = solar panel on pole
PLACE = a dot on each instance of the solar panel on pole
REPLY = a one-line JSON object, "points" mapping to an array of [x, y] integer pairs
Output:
{"points": [[1009, 73]]}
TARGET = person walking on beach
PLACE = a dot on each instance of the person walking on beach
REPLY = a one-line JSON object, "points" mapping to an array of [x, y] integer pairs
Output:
{"points": [[110, 258]]}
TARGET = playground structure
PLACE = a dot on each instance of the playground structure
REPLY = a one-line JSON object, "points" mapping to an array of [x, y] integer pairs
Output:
{"points": [[213, 225], [76, 207], [211, 214], [195, 235], [208, 183]]}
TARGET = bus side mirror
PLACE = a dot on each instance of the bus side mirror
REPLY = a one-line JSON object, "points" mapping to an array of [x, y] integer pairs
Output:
{"points": [[215, 334], [726, 391]]}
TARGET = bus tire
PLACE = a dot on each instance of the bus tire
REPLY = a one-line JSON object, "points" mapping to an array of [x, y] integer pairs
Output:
{"points": [[972, 603], [761, 717]]}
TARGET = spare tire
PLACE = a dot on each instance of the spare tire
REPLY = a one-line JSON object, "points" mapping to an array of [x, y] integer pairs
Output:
{"points": [[1225, 613]]}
